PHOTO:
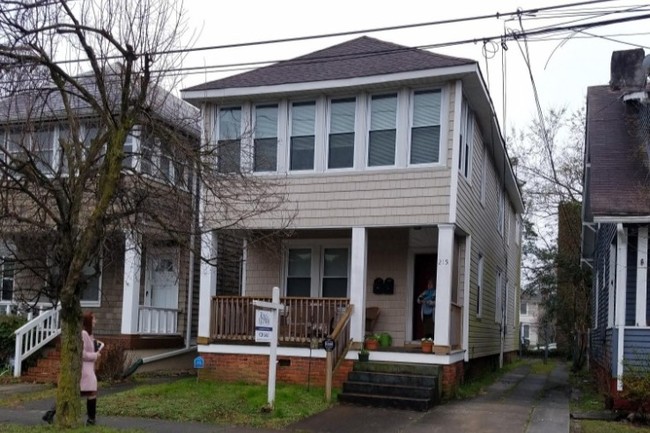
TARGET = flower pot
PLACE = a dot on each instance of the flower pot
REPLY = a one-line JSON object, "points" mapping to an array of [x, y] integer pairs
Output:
{"points": [[372, 344], [427, 346], [363, 357]]}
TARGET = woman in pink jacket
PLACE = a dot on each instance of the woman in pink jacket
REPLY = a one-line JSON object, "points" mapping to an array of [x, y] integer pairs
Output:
{"points": [[89, 355], [88, 384]]}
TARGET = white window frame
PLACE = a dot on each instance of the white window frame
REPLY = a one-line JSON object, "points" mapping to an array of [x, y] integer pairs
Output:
{"points": [[611, 310], [498, 298], [3, 278], [369, 130], [480, 271], [317, 106], [277, 137], [523, 308], [317, 248], [412, 95], [484, 169], [218, 133], [330, 101], [466, 140], [98, 302]]}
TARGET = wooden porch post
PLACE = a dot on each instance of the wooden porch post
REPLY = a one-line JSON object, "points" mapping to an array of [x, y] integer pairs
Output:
{"points": [[642, 277], [208, 286], [131, 286], [621, 289], [443, 285], [358, 271]]}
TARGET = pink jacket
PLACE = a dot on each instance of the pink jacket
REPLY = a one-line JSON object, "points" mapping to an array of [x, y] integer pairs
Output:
{"points": [[88, 358]]}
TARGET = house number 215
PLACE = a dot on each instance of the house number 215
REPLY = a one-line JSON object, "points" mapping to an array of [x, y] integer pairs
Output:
{"points": [[443, 262]]}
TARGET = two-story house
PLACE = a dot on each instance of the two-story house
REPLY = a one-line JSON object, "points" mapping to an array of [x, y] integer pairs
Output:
{"points": [[141, 287], [395, 172], [615, 214]]}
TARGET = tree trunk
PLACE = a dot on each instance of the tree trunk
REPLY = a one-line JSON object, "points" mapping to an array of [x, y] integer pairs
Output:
{"points": [[68, 403]]}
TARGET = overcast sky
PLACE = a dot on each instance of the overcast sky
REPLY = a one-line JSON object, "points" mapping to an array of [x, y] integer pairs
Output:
{"points": [[562, 67]]}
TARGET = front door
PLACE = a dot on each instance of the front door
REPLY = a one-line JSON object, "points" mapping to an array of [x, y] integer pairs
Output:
{"points": [[162, 284], [424, 268]]}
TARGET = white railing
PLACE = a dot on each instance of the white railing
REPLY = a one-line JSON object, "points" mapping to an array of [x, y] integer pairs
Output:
{"points": [[157, 320], [35, 334]]}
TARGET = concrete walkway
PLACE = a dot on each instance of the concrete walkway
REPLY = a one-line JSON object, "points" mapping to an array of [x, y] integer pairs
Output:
{"points": [[519, 401]]}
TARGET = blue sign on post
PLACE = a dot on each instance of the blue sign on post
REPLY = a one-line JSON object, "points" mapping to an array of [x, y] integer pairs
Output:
{"points": [[199, 362]]}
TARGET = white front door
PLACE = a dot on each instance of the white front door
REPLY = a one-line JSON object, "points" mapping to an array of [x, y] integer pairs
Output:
{"points": [[162, 281]]}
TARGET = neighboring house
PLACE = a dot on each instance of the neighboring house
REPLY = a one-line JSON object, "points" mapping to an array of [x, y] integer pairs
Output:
{"points": [[395, 172], [616, 209], [142, 287], [529, 308]]}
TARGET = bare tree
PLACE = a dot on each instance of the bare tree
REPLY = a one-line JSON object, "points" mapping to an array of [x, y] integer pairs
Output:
{"points": [[91, 74], [549, 158]]}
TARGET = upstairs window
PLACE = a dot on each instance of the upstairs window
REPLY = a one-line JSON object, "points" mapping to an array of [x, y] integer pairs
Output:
{"points": [[8, 272], [303, 122], [383, 131], [341, 137], [229, 144], [265, 151], [466, 139], [425, 129], [501, 211], [523, 308], [36, 146]]}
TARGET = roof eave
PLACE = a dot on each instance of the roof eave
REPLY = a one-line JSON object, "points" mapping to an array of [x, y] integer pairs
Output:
{"points": [[198, 96]]}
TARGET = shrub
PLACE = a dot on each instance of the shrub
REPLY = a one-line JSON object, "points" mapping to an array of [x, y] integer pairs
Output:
{"points": [[8, 324], [113, 361], [636, 383]]}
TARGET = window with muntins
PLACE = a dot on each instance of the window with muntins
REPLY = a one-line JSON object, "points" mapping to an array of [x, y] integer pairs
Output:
{"points": [[8, 273], [383, 130], [265, 143], [425, 129], [341, 137], [229, 144], [303, 123]]}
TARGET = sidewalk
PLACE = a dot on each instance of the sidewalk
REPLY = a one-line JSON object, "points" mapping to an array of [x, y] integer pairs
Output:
{"points": [[519, 401]]}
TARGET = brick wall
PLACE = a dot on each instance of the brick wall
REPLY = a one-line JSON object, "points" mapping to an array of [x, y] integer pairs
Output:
{"points": [[452, 376], [255, 368]]}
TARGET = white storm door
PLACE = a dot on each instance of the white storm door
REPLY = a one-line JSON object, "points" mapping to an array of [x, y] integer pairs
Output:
{"points": [[162, 284]]}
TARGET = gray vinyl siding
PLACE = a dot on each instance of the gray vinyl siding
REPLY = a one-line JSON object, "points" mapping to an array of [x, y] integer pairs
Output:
{"points": [[637, 350], [480, 221], [600, 335]]}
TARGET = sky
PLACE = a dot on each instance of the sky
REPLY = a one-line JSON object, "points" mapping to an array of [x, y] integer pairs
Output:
{"points": [[562, 68]]}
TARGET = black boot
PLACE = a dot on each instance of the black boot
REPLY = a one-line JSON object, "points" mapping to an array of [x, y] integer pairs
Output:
{"points": [[91, 408], [48, 417]]}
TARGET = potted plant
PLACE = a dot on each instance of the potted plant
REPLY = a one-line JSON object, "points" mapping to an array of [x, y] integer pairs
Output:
{"points": [[372, 342], [385, 340], [427, 345], [364, 355]]}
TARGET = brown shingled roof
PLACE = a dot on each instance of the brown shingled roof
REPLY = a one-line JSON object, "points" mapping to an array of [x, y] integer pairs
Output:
{"points": [[359, 57], [619, 184]]}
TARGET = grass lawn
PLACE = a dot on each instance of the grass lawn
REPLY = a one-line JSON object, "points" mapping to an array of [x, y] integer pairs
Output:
{"points": [[215, 402], [587, 426]]}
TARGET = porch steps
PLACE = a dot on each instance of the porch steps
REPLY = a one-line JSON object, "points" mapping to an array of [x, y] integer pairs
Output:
{"points": [[46, 369], [400, 386]]}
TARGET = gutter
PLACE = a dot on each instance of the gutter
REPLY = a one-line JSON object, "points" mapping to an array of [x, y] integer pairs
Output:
{"points": [[153, 358]]}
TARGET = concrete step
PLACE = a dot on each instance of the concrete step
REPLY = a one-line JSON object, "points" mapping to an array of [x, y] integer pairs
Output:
{"points": [[389, 390], [406, 403]]}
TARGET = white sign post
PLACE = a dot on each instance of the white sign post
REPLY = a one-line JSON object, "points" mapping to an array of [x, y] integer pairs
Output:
{"points": [[262, 333]]}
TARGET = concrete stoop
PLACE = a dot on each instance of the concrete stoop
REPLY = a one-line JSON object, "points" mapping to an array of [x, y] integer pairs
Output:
{"points": [[390, 385]]}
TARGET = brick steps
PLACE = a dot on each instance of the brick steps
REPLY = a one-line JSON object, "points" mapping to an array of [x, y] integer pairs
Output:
{"points": [[46, 369]]}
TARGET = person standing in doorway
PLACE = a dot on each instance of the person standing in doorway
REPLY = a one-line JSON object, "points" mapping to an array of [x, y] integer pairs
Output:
{"points": [[427, 300]]}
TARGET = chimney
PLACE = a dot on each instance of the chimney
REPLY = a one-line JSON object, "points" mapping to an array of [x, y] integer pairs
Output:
{"points": [[626, 72]]}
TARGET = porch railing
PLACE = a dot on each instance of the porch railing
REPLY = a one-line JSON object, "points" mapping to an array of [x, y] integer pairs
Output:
{"points": [[342, 341], [233, 318], [35, 334], [157, 320]]}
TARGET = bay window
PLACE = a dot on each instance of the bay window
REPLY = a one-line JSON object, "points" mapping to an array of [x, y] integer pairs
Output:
{"points": [[383, 130], [265, 144], [303, 123], [341, 136], [425, 128]]}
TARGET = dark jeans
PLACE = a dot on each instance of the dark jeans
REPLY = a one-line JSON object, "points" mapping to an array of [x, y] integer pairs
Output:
{"points": [[428, 325]]}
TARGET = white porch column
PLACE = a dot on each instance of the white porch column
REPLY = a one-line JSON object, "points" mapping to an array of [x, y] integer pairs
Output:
{"points": [[641, 277], [208, 286], [441, 335], [621, 280], [358, 271], [131, 287]]}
